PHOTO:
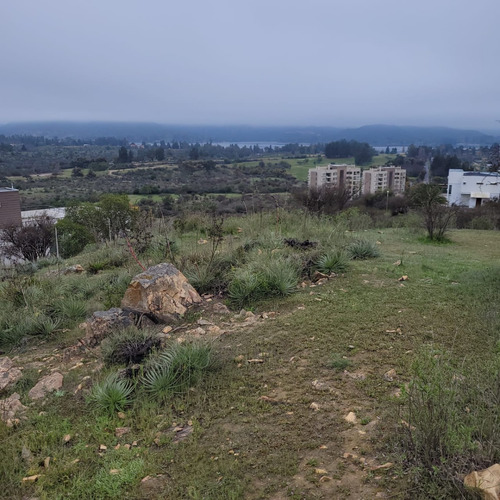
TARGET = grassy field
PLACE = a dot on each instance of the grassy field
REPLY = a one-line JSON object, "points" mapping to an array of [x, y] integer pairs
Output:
{"points": [[269, 421]]}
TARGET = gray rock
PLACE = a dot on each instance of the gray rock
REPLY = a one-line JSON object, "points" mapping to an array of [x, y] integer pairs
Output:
{"points": [[103, 323], [10, 406]]}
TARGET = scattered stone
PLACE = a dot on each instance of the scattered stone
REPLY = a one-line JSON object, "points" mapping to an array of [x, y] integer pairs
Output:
{"points": [[485, 482], [320, 386], [118, 446], [239, 359], [76, 269], [385, 466], [84, 384], [9, 374], [319, 276], [46, 462], [355, 375], [103, 323], [214, 330], [9, 407], [390, 375], [201, 241], [114, 471], [320, 471], [350, 456], [397, 263], [167, 329], [31, 479], [67, 438], [162, 292], [314, 406], [403, 278], [127, 446], [121, 431], [325, 479], [323, 447], [102, 447], [203, 322], [219, 308], [121, 415], [350, 417], [255, 361], [196, 332], [49, 383], [134, 443], [26, 454]]}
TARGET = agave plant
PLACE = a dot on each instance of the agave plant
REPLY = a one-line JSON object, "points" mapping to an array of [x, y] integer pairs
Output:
{"points": [[112, 394], [176, 369]]}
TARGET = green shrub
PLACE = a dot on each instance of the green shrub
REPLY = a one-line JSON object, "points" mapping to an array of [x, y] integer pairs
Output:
{"points": [[279, 278], [112, 394], [335, 261], [451, 420], [73, 237], [362, 250], [338, 362], [129, 346], [176, 369]]}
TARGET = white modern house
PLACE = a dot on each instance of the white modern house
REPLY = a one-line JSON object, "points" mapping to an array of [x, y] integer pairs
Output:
{"points": [[470, 189]]}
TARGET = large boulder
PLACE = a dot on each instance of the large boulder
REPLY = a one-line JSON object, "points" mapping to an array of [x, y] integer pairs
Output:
{"points": [[9, 374], [103, 323], [485, 482], [161, 292]]}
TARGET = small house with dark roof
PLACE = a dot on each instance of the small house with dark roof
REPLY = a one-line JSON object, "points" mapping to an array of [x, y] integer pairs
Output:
{"points": [[10, 208]]}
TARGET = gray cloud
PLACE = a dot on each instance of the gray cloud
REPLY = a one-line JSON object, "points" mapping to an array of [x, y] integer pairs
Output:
{"points": [[335, 62]]}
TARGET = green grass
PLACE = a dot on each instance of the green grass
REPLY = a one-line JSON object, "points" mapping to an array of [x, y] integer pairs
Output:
{"points": [[246, 446]]}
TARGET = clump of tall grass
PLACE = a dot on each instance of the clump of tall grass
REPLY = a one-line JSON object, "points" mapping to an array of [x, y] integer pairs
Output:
{"points": [[262, 278], [128, 346], [363, 249], [335, 261], [176, 369]]}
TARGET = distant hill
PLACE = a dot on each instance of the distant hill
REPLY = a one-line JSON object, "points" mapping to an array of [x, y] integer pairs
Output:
{"points": [[376, 135]]}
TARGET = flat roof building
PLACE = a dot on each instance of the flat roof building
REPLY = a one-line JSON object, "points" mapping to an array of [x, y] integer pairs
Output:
{"points": [[384, 179], [339, 176], [10, 208], [470, 189]]}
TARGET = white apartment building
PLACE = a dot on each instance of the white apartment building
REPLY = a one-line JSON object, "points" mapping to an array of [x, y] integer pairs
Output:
{"points": [[384, 179], [340, 176], [471, 188]]}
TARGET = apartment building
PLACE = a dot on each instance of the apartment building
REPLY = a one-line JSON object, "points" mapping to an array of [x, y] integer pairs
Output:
{"points": [[470, 189], [384, 179], [339, 176]]}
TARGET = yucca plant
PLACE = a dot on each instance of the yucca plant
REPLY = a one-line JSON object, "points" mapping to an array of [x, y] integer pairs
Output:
{"points": [[176, 369], [71, 308], [279, 277], [244, 287], [362, 250], [44, 325], [112, 394], [335, 261]]}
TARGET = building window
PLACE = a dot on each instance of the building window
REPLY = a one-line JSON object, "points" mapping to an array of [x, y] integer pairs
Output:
{"points": [[449, 189]]}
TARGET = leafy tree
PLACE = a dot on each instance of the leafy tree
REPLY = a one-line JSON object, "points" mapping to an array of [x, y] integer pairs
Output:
{"points": [[122, 155], [494, 158], [73, 237], [160, 154], [429, 199]]}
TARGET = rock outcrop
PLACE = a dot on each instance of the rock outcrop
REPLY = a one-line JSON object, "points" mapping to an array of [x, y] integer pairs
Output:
{"points": [[103, 323], [10, 406], [9, 374], [485, 482], [162, 292], [46, 384]]}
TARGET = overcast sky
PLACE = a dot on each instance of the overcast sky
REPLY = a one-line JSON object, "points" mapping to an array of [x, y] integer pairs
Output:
{"points": [[272, 62]]}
